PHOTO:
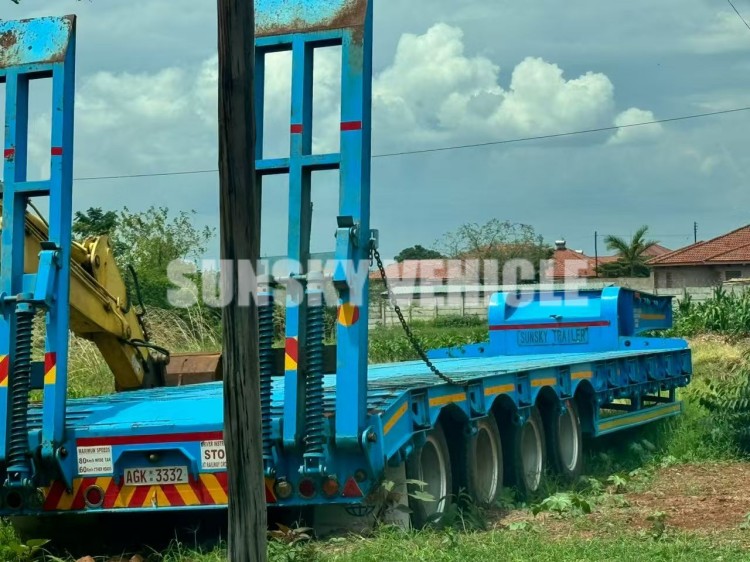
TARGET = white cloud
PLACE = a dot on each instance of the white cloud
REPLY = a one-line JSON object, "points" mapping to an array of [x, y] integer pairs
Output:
{"points": [[632, 134], [434, 92], [724, 33], [146, 122]]}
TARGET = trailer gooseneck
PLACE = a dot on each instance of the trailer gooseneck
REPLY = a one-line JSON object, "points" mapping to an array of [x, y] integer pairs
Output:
{"points": [[557, 365]]}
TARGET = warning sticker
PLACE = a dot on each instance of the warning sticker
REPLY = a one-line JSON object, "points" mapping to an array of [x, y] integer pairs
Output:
{"points": [[95, 460], [213, 455]]}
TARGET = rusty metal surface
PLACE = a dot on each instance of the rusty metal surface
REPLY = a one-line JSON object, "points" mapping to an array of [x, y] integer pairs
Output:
{"points": [[36, 41], [193, 368], [283, 17]]}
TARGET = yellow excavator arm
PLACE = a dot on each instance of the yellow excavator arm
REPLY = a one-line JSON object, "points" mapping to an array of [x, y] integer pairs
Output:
{"points": [[101, 312]]}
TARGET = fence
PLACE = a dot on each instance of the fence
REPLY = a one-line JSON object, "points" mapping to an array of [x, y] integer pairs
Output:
{"points": [[428, 303]]}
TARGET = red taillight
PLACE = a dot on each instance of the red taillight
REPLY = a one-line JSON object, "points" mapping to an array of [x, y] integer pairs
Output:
{"points": [[330, 486], [307, 488], [94, 496]]}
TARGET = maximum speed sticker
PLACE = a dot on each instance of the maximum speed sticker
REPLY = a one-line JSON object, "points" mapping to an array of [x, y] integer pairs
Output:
{"points": [[94, 460], [213, 455]]}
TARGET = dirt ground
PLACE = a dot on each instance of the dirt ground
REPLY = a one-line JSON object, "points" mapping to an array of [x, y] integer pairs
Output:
{"points": [[708, 499]]}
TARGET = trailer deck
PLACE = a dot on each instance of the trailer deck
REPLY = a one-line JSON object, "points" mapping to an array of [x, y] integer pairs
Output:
{"points": [[117, 434]]}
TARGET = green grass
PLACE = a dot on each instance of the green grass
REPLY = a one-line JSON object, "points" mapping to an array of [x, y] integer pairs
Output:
{"points": [[527, 546], [530, 544], [390, 344]]}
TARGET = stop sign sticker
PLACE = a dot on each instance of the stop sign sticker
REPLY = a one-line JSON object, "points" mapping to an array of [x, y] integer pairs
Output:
{"points": [[213, 455]]}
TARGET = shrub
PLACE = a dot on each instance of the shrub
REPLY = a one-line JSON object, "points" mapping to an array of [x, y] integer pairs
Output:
{"points": [[728, 401], [725, 313]]}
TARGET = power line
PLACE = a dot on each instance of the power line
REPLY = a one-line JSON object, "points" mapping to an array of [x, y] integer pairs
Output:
{"points": [[568, 134], [739, 15], [129, 176], [458, 147]]}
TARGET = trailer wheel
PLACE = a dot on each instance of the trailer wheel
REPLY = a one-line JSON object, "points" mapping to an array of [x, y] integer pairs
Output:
{"points": [[483, 462], [529, 454], [565, 443], [430, 464]]}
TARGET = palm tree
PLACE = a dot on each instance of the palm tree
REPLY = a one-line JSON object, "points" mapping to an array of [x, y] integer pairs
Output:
{"points": [[631, 254]]}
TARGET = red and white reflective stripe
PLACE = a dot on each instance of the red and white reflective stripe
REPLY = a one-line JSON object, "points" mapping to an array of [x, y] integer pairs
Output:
{"points": [[549, 326]]}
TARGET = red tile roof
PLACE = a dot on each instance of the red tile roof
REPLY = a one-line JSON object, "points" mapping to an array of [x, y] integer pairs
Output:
{"points": [[730, 248], [565, 264], [656, 250], [428, 270], [569, 263]]}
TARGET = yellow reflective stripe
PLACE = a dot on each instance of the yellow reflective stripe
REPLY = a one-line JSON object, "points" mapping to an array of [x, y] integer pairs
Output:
{"points": [[50, 377], [582, 375], [643, 417], [449, 399], [66, 501], [543, 382], [501, 389], [289, 363], [187, 494], [394, 420], [214, 488], [125, 496], [653, 317]]}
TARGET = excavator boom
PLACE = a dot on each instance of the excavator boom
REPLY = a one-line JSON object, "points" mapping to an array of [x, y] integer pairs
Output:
{"points": [[101, 312]]}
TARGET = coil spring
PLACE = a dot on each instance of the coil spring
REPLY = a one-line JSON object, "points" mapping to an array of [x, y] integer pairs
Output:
{"points": [[315, 422], [265, 321], [20, 387]]}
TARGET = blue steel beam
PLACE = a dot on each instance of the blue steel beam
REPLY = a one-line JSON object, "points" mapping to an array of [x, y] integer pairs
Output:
{"points": [[301, 27], [285, 17], [33, 49], [353, 245]]}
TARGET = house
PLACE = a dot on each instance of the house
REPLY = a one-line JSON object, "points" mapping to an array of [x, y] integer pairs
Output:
{"points": [[564, 264], [574, 264], [428, 272], [570, 264], [705, 264]]}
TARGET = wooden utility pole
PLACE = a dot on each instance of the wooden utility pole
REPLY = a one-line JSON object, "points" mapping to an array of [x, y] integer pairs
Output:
{"points": [[240, 235]]}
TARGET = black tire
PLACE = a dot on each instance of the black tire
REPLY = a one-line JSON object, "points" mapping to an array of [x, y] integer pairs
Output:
{"points": [[528, 455], [482, 463], [565, 442], [431, 464]]}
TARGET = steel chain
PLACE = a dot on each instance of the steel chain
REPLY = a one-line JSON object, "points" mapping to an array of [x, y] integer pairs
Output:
{"points": [[407, 329]]}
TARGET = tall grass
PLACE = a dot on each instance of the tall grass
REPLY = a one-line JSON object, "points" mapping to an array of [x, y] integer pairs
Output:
{"points": [[179, 331], [726, 313]]}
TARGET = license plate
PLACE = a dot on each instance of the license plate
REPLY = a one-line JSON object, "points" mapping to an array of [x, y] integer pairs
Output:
{"points": [[156, 475]]}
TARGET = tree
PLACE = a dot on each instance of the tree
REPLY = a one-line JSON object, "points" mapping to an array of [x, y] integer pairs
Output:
{"points": [[94, 222], [148, 241], [240, 235], [499, 241], [418, 253], [631, 254]]}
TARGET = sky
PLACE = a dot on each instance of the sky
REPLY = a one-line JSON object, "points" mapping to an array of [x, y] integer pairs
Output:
{"points": [[447, 73]]}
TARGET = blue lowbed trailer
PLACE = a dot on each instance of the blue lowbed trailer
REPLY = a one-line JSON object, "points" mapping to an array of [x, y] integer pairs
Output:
{"points": [[557, 365]]}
